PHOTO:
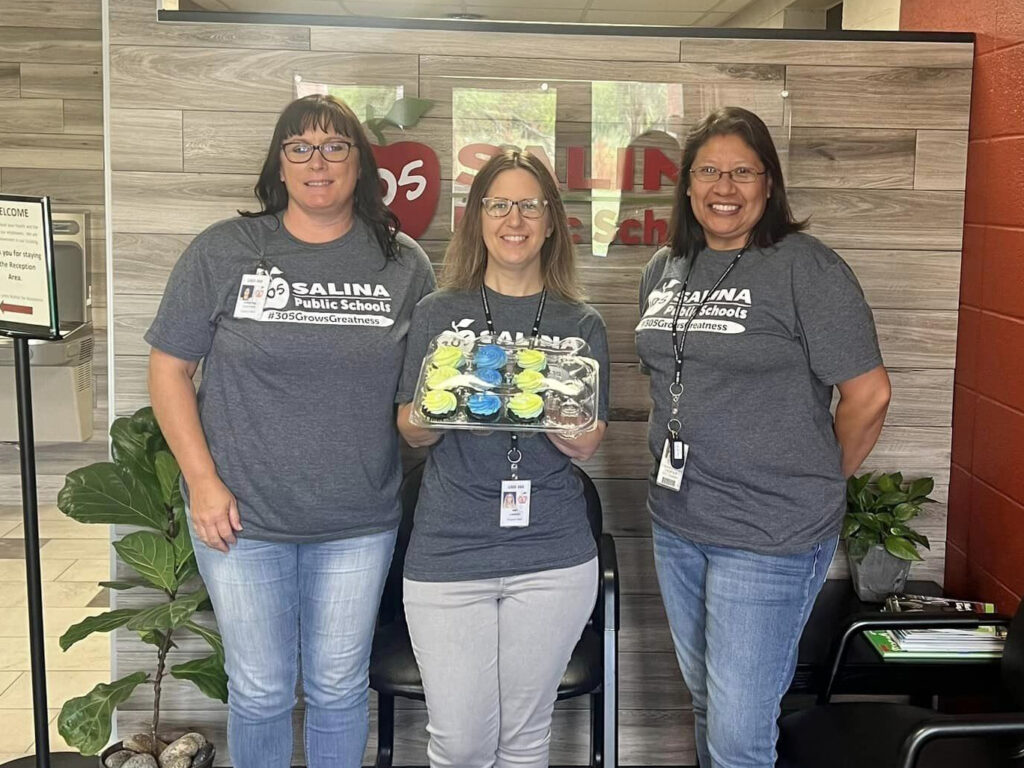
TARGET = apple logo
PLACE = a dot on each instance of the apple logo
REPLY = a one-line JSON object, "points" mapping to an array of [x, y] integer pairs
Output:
{"points": [[410, 177]]}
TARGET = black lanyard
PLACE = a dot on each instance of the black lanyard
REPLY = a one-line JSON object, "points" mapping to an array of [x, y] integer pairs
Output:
{"points": [[514, 454], [675, 389]]}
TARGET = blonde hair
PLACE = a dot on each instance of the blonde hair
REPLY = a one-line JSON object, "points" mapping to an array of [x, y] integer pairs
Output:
{"points": [[465, 259]]}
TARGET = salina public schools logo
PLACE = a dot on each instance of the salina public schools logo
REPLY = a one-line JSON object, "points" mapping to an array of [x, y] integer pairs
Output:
{"points": [[326, 303], [723, 312]]}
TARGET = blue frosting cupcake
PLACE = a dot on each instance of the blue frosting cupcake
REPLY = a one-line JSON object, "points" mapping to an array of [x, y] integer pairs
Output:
{"points": [[483, 406], [490, 356], [491, 376]]}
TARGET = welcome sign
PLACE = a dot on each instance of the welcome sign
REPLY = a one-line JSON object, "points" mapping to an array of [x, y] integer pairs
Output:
{"points": [[28, 294]]}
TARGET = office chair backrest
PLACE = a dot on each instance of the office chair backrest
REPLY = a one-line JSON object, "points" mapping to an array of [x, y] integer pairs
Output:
{"points": [[594, 511], [1012, 672]]}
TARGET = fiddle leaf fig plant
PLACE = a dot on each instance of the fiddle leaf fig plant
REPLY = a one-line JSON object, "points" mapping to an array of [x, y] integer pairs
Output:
{"points": [[879, 509], [140, 488]]}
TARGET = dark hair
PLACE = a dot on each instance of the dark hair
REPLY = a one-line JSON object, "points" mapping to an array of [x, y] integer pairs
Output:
{"points": [[465, 259], [686, 236], [329, 114]]}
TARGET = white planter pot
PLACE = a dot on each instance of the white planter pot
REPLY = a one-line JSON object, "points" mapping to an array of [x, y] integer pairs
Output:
{"points": [[878, 575]]}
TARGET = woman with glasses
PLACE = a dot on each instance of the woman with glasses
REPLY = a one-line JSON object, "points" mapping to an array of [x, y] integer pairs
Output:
{"points": [[299, 313], [747, 325], [495, 607]]}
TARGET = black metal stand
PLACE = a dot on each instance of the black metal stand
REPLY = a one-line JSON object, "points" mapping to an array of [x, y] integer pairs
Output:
{"points": [[30, 513]]}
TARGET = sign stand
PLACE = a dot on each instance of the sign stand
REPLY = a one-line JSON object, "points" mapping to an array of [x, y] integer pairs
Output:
{"points": [[28, 310]]}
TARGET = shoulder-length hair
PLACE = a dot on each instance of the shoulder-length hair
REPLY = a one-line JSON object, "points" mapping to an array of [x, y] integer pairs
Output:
{"points": [[686, 236], [465, 260], [330, 115]]}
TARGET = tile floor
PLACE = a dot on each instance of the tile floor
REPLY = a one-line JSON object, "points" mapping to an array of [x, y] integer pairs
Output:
{"points": [[74, 558]]}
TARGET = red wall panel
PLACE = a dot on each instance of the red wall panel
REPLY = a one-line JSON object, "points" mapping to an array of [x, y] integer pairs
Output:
{"points": [[985, 553]]}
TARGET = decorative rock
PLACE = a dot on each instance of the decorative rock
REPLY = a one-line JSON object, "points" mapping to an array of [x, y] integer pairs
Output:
{"points": [[179, 762], [143, 742], [119, 758], [144, 760], [186, 746], [205, 753]]}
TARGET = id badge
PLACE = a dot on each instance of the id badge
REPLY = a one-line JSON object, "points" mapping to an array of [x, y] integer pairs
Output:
{"points": [[515, 503], [673, 463], [252, 295]]}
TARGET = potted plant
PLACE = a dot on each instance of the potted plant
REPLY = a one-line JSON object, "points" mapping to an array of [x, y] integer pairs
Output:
{"points": [[140, 488], [880, 544]]}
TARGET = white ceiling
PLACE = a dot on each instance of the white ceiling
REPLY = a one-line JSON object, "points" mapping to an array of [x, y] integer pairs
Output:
{"points": [[681, 13]]}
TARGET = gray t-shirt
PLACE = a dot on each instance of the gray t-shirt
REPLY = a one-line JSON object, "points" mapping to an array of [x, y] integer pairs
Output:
{"points": [[298, 406], [764, 468], [456, 535]]}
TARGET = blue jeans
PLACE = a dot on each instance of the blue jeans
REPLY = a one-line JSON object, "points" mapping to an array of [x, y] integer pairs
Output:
{"points": [[274, 600], [736, 620]]}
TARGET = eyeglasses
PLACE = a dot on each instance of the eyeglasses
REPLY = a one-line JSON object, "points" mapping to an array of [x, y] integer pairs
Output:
{"points": [[739, 175], [500, 207], [331, 151]]}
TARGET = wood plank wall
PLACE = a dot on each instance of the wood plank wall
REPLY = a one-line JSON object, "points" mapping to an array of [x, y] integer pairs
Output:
{"points": [[876, 136], [51, 143]]}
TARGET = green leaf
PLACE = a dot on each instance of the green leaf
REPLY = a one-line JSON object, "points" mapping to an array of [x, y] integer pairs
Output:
{"points": [[152, 556], [145, 420], [868, 521], [185, 567], [885, 518], [129, 443], [167, 474], [210, 636], [850, 526], [899, 547], [105, 622], [84, 722], [897, 477], [169, 615], [919, 539], [886, 484], [122, 585], [891, 499], [921, 488], [155, 637], [405, 113], [905, 511], [374, 127], [105, 493], [208, 675]]}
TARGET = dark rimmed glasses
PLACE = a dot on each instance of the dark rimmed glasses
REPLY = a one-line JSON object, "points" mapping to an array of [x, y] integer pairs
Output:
{"points": [[500, 207], [336, 151], [741, 175]]}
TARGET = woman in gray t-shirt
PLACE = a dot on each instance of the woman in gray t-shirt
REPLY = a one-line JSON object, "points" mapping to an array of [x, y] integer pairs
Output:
{"points": [[746, 325], [299, 315], [495, 608]]}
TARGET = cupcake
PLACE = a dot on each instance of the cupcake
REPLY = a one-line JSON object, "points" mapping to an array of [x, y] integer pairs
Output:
{"points": [[531, 360], [436, 377], [483, 406], [445, 357], [490, 356], [526, 408], [529, 381], [439, 404], [489, 376]]}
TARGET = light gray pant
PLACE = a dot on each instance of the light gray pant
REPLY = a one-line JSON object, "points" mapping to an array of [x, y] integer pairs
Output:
{"points": [[491, 654]]}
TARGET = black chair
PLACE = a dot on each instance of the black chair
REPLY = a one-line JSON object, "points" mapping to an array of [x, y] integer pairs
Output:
{"points": [[886, 735], [592, 670]]}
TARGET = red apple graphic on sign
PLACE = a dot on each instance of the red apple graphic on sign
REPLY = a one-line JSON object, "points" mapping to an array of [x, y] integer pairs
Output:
{"points": [[410, 177]]}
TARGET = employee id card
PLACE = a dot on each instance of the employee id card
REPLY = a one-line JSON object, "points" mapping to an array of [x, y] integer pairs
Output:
{"points": [[673, 462], [252, 295], [515, 503]]}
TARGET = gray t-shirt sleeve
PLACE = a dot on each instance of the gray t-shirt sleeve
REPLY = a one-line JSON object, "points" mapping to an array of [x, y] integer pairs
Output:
{"points": [[835, 321], [652, 273], [593, 331], [185, 322], [415, 349]]}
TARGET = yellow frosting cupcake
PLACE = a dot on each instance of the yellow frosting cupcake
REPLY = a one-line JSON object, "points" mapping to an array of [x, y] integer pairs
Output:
{"points": [[436, 377], [526, 406], [447, 357], [439, 403], [530, 381], [531, 359]]}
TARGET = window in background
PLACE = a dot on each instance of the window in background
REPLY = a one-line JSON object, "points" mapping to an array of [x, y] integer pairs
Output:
{"points": [[366, 101]]}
